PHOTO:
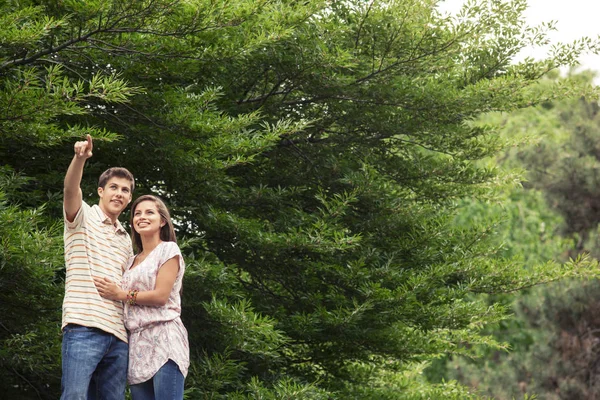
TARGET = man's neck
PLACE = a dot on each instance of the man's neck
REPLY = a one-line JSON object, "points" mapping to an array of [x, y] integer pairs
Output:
{"points": [[113, 218]]}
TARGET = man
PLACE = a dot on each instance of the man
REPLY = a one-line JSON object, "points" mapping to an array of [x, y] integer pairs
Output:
{"points": [[94, 346]]}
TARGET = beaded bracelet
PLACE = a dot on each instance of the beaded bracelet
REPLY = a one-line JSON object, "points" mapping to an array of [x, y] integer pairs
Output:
{"points": [[132, 297]]}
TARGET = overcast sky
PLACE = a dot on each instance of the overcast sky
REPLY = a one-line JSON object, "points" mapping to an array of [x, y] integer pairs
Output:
{"points": [[574, 19]]}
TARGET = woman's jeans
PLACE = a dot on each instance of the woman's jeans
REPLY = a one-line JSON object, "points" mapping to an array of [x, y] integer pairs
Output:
{"points": [[94, 364], [166, 384]]}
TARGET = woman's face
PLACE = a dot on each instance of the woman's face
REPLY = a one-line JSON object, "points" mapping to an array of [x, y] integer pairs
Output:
{"points": [[146, 219]]}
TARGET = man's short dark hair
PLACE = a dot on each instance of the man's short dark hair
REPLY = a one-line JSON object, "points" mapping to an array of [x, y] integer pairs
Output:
{"points": [[119, 172]]}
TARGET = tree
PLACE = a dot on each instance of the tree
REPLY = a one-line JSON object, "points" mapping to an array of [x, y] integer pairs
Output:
{"points": [[313, 154], [29, 294], [554, 334]]}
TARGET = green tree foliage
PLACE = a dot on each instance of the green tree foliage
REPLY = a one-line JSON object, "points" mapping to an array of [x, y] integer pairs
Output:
{"points": [[314, 155], [530, 231], [555, 330], [30, 294]]}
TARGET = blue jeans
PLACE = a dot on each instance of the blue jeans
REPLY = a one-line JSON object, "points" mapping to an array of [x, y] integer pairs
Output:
{"points": [[166, 384], [94, 364]]}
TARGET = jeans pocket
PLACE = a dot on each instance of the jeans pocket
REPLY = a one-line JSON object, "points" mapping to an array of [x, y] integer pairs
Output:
{"points": [[74, 328]]}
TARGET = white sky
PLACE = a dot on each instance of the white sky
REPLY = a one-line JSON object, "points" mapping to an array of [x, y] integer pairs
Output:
{"points": [[574, 19]]}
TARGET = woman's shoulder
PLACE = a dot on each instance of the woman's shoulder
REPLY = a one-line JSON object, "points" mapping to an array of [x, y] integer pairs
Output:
{"points": [[170, 245], [170, 249]]}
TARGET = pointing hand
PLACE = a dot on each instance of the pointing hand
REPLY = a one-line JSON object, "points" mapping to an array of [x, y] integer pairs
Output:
{"points": [[83, 149]]}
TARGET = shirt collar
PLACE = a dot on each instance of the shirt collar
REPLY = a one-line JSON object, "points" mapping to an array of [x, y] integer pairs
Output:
{"points": [[105, 220]]}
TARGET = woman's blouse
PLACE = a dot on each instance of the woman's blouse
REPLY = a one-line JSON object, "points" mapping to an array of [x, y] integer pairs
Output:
{"points": [[156, 334]]}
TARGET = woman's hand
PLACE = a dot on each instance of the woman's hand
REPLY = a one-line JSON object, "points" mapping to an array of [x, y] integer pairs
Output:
{"points": [[109, 290]]}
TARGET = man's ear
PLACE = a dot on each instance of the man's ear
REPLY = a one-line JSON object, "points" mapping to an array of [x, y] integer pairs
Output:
{"points": [[100, 191]]}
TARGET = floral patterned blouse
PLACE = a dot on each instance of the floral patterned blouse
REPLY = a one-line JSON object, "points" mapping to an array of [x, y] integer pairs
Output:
{"points": [[156, 334]]}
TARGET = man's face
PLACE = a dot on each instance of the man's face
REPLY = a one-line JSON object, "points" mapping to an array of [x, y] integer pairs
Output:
{"points": [[115, 196]]}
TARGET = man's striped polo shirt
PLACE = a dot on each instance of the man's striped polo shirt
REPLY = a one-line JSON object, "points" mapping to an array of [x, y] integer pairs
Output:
{"points": [[94, 247]]}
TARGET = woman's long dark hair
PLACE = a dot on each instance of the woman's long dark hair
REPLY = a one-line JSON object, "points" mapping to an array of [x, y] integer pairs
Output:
{"points": [[167, 232]]}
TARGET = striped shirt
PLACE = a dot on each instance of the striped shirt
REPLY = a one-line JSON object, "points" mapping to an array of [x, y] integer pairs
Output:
{"points": [[94, 247]]}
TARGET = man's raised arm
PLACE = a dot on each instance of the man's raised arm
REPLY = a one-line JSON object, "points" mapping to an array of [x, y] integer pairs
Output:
{"points": [[72, 190]]}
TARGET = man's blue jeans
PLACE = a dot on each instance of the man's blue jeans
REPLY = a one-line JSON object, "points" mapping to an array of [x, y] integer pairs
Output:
{"points": [[94, 364], [166, 384]]}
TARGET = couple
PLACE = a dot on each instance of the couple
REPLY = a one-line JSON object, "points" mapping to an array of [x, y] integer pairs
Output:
{"points": [[113, 298]]}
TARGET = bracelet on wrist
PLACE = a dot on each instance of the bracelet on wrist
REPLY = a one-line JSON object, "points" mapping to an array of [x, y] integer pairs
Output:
{"points": [[132, 297]]}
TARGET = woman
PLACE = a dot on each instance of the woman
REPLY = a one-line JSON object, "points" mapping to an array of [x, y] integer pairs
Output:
{"points": [[151, 289]]}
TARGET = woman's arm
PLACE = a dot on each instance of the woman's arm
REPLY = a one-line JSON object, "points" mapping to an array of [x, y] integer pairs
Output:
{"points": [[157, 297]]}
